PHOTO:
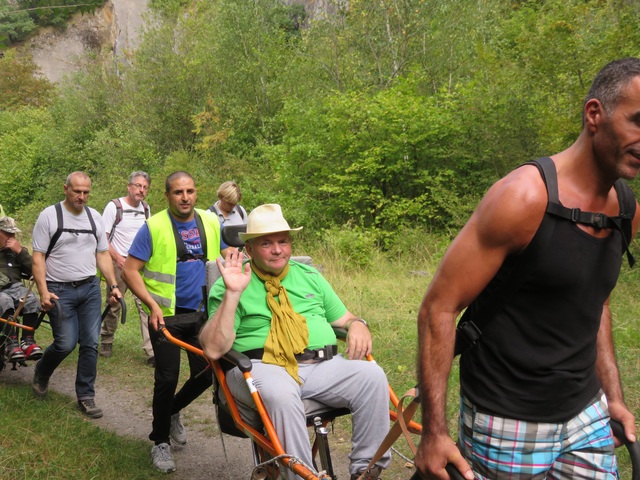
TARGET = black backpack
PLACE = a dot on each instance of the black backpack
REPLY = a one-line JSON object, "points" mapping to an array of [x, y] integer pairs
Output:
{"points": [[120, 211], [217, 211], [60, 228], [469, 331]]}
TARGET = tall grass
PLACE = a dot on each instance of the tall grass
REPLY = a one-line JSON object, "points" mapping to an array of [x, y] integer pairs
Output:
{"points": [[41, 440]]}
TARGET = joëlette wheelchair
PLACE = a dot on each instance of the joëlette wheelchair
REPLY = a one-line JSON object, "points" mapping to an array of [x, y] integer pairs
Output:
{"points": [[268, 452]]}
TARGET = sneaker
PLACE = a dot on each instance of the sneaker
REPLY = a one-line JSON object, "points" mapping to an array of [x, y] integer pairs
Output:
{"points": [[177, 431], [162, 458], [40, 385], [105, 349], [89, 408], [31, 349], [151, 361], [372, 474], [14, 353]]}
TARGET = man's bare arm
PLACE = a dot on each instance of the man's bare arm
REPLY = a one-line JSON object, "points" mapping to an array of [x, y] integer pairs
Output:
{"points": [[103, 259], [133, 279]]}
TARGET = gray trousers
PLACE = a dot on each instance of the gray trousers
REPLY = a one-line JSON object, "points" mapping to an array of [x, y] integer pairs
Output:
{"points": [[111, 319], [11, 295], [358, 385]]}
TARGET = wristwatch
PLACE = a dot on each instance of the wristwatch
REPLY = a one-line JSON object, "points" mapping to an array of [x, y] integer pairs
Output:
{"points": [[358, 320], [113, 287]]}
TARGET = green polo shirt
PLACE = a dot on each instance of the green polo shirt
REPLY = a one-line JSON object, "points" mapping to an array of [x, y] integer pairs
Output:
{"points": [[310, 295]]}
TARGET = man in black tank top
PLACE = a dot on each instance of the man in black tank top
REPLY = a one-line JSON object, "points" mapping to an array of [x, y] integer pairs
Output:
{"points": [[535, 265]]}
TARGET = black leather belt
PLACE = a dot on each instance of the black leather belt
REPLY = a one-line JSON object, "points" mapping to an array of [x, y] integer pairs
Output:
{"points": [[308, 356], [80, 282], [318, 355]]}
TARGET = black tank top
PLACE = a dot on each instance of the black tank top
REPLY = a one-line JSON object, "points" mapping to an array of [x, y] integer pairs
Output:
{"points": [[536, 358]]}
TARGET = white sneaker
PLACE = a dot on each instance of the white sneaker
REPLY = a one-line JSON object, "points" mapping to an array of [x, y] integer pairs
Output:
{"points": [[177, 431], [162, 458]]}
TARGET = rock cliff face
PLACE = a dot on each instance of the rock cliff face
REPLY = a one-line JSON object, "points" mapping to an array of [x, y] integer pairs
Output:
{"points": [[116, 27]]}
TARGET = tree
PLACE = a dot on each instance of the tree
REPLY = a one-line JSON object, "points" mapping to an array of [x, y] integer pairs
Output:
{"points": [[19, 84], [14, 25]]}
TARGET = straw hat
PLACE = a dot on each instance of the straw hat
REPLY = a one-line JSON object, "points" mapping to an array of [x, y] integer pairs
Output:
{"points": [[264, 220]]}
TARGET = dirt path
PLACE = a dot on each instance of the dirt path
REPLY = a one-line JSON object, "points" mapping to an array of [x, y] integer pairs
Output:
{"points": [[128, 412]]}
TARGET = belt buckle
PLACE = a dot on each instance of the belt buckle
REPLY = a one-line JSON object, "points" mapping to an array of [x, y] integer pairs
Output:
{"points": [[325, 353], [74, 284]]}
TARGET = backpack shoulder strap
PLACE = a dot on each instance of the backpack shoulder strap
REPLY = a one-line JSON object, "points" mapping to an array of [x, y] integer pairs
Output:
{"points": [[213, 208], [627, 202], [118, 218], [147, 210], [118, 204], [622, 222], [181, 250], [58, 231], [242, 212], [203, 236], [94, 230]]}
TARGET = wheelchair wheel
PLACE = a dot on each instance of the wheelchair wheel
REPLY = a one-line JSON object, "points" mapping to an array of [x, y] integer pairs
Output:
{"points": [[269, 471]]}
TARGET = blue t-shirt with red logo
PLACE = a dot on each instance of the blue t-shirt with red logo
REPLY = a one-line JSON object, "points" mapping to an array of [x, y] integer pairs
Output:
{"points": [[191, 274]]}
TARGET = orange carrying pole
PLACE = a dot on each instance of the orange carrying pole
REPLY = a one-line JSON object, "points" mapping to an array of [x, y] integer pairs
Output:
{"points": [[15, 324]]}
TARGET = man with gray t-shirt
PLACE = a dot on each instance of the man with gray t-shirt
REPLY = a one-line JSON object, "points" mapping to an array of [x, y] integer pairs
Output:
{"points": [[68, 243]]}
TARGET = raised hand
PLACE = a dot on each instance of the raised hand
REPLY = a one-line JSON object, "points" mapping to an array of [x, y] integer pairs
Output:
{"points": [[235, 274]]}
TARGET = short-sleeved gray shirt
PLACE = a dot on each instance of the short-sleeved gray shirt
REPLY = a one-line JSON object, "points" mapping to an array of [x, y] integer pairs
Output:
{"points": [[73, 257]]}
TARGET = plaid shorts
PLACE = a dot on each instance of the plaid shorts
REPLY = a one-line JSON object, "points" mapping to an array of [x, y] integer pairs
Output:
{"points": [[502, 448]]}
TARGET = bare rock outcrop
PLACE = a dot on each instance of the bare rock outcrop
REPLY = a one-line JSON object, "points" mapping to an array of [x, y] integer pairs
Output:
{"points": [[116, 27]]}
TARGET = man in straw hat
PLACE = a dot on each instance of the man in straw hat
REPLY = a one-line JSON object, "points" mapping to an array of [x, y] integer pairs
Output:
{"points": [[293, 346], [15, 262]]}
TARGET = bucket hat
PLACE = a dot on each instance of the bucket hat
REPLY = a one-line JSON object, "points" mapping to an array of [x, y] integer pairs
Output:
{"points": [[8, 224], [264, 220]]}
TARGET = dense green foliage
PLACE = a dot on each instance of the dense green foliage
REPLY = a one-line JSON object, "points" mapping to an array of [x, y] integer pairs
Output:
{"points": [[19, 18], [363, 119]]}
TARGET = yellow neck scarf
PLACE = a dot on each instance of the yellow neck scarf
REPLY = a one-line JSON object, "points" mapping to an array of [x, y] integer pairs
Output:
{"points": [[289, 334]]}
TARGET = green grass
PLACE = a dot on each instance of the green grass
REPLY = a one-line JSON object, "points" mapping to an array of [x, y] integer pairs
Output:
{"points": [[47, 440]]}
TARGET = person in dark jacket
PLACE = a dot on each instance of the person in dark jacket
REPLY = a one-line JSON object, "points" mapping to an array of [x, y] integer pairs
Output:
{"points": [[15, 265]]}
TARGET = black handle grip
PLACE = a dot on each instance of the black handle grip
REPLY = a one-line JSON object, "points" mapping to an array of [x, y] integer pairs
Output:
{"points": [[123, 310], [632, 447], [59, 313], [453, 472]]}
